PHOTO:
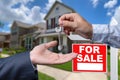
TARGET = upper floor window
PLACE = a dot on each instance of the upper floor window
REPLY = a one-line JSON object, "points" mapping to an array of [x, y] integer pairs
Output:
{"points": [[57, 9], [53, 23]]}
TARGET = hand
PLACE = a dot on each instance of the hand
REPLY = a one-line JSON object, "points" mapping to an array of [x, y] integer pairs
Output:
{"points": [[75, 23], [41, 55]]}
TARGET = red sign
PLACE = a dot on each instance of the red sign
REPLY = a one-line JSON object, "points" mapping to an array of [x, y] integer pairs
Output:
{"points": [[91, 57]]}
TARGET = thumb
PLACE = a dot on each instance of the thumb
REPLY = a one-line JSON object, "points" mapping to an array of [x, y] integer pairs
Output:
{"points": [[51, 44]]}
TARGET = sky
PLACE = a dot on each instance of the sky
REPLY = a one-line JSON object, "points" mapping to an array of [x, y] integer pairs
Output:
{"points": [[34, 11]]}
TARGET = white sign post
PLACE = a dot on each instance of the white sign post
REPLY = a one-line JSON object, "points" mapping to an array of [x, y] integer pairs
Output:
{"points": [[113, 63]]}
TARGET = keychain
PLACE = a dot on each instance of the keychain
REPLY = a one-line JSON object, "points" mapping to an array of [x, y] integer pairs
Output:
{"points": [[59, 30]]}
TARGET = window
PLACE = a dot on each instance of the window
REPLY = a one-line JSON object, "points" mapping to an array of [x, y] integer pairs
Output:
{"points": [[53, 23], [41, 40], [47, 23], [57, 9]]}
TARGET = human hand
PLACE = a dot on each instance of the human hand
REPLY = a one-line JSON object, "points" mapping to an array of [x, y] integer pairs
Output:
{"points": [[41, 55], [75, 23]]}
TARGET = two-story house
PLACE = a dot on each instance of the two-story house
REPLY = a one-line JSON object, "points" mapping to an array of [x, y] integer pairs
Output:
{"points": [[22, 34], [51, 19]]}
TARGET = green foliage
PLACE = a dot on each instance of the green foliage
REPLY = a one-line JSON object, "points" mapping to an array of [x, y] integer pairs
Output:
{"points": [[42, 76], [12, 51], [108, 63]]}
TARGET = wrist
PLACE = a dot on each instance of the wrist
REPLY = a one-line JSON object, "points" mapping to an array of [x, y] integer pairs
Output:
{"points": [[85, 30], [32, 58]]}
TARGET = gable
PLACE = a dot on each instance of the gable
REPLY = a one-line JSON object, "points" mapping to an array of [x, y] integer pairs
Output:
{"points": [[58, 9]]}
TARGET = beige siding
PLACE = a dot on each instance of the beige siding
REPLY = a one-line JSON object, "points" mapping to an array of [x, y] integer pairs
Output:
{"points": [[2, 38], [62, 10]]}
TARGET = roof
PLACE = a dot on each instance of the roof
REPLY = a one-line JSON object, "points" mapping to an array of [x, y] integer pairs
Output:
{"points": [[40, 25], [21, 24], [57, 2], [26, 25], [4, 33]]}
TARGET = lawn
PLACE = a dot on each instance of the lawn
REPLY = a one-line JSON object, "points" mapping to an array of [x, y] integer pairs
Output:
{"points": [[67, 66], [42, 76]]}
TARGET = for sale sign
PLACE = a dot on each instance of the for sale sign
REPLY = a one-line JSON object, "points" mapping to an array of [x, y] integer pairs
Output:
{"points": [[90, 58]]}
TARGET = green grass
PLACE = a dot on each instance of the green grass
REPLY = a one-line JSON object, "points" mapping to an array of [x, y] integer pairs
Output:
{"points": [[66, 66], [42, 76], [119, 67]]}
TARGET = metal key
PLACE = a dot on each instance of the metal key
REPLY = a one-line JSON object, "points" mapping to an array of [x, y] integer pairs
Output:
{"points": [[59, 30]]}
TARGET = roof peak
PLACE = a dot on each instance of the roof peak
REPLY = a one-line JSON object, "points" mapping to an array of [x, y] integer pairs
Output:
{"points": [[57, 2]]}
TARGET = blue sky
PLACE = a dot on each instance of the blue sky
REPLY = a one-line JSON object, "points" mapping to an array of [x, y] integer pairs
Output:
{"points": [[33, 11]]}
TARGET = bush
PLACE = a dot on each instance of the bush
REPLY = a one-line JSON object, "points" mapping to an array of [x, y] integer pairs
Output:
{"points": [[12, 51]]}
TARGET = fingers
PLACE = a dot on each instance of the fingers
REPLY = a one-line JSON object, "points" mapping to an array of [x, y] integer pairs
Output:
{"points": [[51, 44], [65, 58], [67, 23], [65, 17]]}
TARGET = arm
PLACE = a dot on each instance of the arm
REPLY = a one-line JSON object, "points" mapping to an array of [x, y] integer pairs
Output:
{"points": [[17, 67], [105, 34]]}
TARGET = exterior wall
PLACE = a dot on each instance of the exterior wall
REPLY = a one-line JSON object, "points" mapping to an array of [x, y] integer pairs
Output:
{"points": [[62, 10], [22, 31], [14, 37], [2, 38]]}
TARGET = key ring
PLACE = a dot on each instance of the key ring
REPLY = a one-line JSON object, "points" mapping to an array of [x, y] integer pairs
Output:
{"points": [[59, 30]]}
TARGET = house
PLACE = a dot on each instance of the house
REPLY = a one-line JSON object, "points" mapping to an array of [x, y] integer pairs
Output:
{"points": [[4, 40], [22, 34], [51, 19]]}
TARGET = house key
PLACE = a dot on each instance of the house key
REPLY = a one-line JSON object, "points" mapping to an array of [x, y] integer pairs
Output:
{"points": [[59, 30]]}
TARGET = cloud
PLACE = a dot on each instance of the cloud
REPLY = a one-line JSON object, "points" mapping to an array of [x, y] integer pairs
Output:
{"points": [[110, 4], [22, 13], [110, 12], [117, 14], [9, 25], [116, 17], [95, 3], [50, 3]]}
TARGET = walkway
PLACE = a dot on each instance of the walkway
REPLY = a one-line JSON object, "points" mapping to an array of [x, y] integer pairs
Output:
{"points": [[4, 55], [65, 75]]}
